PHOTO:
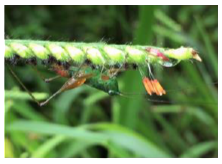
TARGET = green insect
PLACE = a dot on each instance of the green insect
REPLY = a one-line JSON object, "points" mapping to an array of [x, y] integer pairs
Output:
{"points": [[109, 86], [76, 78], [100, 81], [91, 77], [75, 61]]}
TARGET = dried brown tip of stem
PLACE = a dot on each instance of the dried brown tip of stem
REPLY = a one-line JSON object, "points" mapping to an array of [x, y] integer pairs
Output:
{"points": [[196, 56]]}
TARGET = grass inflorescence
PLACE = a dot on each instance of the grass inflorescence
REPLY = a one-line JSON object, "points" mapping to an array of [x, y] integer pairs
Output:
{"points": [[98, 54]]}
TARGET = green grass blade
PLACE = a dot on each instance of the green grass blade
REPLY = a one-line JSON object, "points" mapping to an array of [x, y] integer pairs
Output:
{"points": [[19, 95], [75, 148], [211, 55], [55, 129], [48, 146], [129, 140], [27, 111], [170, 23], [106, 134], [199, 149]]}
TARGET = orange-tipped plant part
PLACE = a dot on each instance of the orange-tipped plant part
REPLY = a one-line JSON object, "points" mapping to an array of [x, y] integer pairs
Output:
{"points": [[156, 91], [148, 85], [160, 88], [153, 86]]}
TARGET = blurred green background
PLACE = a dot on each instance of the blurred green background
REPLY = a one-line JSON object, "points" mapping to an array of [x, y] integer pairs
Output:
{"points": [[86, 122]]}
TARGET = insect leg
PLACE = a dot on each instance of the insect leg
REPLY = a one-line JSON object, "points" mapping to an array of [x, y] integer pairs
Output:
{"points": [[46, 101], [113, 72], [70, 84], [75, 74], [51, 79], [23, 86]]}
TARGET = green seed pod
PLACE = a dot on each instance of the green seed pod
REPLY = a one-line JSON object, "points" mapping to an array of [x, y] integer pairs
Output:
{"points": [[76, 54], [95, 56], [40, 51], [58, 52], [8, 52], [21, 50], [115, 55], [136, 55], [182, 53]]}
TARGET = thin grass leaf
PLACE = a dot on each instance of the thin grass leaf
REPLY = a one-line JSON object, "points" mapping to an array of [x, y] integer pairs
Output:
{"points": [[55, 129], [170, 23], [176, 37], [129, 140], [74, 148], [199, 150], [175, 138], [19, 95], [27, 111], [106, 134], [211, 57], [48, 146], [64, 103], [119, 152], [9, 149]]}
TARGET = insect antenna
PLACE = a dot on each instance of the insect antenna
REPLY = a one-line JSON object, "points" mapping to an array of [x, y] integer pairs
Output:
{"points": [[47, 80], [132, 96], [145, 96]]}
